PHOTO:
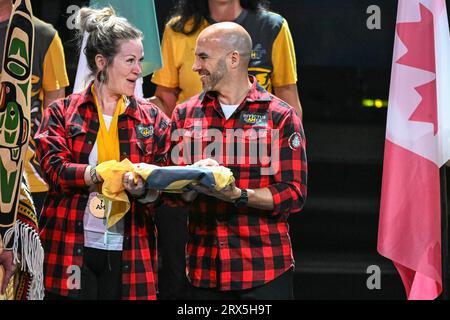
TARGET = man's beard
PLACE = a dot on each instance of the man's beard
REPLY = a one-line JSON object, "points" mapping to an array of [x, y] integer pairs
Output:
{"points": [[215, 77]]}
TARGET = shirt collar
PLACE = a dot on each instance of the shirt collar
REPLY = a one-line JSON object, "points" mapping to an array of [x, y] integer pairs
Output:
{"points": [[256, 93], [86, 99]]}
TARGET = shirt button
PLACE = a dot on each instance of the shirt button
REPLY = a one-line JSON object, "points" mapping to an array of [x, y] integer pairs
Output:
{"points": [[79, 251], [124, 154], [89, 142], [126, 267]]}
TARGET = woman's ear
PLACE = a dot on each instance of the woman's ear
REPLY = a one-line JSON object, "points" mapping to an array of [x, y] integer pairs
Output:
{"points": [[100, 61]]}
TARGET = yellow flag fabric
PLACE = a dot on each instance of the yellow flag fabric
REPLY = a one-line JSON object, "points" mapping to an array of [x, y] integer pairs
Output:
{"points": [[112, 173], [168, 179]]}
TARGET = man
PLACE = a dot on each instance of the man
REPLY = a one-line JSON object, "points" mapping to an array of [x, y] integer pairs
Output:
{"points": [[48, 84], [273, 63], [239, 246]]}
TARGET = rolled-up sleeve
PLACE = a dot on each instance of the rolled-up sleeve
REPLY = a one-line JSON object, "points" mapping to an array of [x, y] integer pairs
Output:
{"points": [[290, 166], [54, 155]]}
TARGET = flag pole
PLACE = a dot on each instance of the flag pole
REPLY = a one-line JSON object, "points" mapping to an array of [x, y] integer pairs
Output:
{"points": [[444, 233]]}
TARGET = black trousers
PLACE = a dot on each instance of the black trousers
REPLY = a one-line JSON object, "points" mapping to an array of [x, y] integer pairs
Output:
{"points": [[172, 238], [280, 288], [101, 276]]}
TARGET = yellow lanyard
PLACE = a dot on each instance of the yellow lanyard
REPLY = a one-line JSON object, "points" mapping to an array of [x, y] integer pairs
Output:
{"points": [[108, 146]]}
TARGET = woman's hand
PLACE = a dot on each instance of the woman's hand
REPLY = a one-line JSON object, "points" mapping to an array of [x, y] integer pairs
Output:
{"points": [[136, 189]]}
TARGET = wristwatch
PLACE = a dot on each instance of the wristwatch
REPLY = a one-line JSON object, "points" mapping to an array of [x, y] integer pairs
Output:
{"points": [[242, 200], [94, 177]]}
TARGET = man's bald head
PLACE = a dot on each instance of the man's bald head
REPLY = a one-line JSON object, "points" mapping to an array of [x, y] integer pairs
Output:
{"points": [[231, 37]]}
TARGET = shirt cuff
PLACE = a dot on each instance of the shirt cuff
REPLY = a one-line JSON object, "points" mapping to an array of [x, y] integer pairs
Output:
{"points": [[282, 198], [74, 176]]}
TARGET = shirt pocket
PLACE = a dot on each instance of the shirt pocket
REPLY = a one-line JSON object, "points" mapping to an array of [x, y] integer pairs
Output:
{"points": [[145, 150]]}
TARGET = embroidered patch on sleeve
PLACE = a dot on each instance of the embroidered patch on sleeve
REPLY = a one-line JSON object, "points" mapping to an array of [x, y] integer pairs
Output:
{"points": [[295, 141]]}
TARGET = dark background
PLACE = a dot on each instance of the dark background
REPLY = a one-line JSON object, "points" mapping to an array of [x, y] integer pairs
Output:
{"points": [[340, 63]]}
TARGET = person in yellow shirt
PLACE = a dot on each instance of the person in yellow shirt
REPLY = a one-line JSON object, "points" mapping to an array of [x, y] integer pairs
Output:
{"points": [[48, 84], [273, 63], [273, 60]]}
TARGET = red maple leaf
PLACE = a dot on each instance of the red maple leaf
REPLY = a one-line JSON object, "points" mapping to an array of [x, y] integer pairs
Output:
{"points": [[426, 111], [418, 37]]}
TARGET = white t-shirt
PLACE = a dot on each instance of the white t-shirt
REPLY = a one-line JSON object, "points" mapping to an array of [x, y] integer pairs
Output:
{"points": [[228, 109], [95, 233]]}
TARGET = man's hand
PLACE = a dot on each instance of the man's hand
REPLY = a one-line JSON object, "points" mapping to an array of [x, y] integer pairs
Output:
{"points": [[7, 263], [136, 189], [228, 194]]}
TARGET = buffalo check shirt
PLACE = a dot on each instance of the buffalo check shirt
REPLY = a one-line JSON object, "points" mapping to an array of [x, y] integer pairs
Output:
{"points": [[263, 143], [64, 141]]}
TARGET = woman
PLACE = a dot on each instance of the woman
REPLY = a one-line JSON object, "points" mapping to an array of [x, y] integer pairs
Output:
{"points": [[105, 122]]}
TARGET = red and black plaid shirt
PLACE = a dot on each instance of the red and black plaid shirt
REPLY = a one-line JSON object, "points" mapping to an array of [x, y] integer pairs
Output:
{"points": [[230, 248], [64, 141]]}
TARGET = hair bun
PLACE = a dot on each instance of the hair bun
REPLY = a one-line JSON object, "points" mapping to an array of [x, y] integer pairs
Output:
{"points": [[89, 19]]}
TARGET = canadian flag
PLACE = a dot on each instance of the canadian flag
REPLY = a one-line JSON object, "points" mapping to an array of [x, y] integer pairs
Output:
{"points": [[417, 145]]}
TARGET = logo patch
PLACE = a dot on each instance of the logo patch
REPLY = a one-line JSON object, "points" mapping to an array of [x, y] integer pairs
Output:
{"points": [[254, 118], [144, 132], [295, 141]]}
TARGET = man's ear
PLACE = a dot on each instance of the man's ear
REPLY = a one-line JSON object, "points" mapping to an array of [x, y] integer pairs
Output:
{"points": [[100, 61], [235, 59]]}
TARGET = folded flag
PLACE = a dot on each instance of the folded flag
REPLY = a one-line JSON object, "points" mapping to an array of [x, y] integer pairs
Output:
{"points": [[177, 179], [168, 179]]}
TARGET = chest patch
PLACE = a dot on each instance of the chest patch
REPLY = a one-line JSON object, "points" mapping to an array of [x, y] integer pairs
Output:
{"points": [[251, 118], [144, 131]]}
